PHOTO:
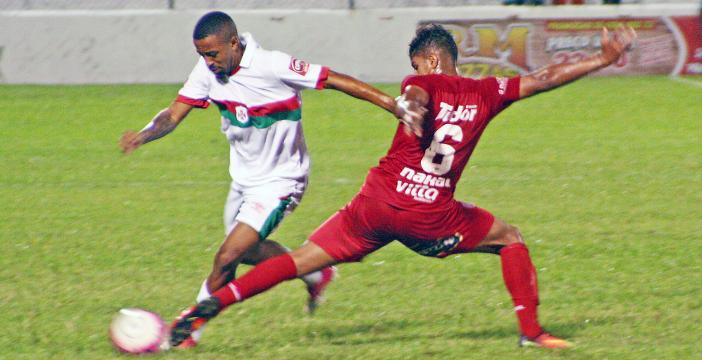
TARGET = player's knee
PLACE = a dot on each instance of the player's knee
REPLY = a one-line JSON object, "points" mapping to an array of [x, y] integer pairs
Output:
{"points": [[508, 235], [310, 257], [513, 236]]}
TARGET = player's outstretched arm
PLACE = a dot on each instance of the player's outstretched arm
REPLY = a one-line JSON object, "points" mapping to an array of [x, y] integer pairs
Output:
{"points": [[553, 76], [163, 123], [359, 90], [412, 117]]}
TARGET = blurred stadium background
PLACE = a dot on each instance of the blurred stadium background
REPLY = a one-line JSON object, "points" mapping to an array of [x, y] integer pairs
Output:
{"points": [[126, 41], [281, 4]]}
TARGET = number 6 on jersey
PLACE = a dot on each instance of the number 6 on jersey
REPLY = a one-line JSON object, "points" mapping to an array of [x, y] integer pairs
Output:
{"points": [[438, 157]]}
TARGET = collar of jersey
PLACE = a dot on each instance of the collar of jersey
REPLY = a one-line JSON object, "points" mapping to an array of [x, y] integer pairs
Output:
{"points": [[251, 48]]}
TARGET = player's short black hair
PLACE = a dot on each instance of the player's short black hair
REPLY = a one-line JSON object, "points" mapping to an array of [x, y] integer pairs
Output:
{"points": [[433, 36], [212, 23]]}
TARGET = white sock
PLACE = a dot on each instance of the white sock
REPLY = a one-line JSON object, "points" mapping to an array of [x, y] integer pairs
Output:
{"points": [[312, 278], [202, 295]]}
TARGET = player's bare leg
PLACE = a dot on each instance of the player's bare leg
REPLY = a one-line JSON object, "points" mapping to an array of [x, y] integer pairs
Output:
{"points": [[310, 258], [519, 275], [242, 245], [306, 259], [240, 240], [263, 250]]}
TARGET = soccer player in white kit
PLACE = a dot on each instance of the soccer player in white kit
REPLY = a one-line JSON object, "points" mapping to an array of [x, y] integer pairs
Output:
{"points": [[258, 95]]}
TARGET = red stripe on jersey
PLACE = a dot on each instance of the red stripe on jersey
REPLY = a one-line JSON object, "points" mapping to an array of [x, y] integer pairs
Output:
{"points": [[235, 70], [199, 103], [290, 104], [323, 76]]}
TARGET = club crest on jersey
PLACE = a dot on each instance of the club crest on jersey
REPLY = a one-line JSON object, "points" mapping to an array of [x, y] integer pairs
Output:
{"points": [[462, 113], [501, 85], [299, 66], [242, 114]]}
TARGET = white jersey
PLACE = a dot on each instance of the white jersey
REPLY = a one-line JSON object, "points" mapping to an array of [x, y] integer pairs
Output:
{"points": [[261, 112]]}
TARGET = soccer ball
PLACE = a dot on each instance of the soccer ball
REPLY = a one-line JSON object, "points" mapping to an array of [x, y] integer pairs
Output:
{"points": [[137, 331]]}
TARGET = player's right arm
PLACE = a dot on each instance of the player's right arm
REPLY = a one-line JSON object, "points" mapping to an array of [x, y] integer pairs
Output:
{"points": [[410, 108], [556, 75], [163, 123], [194, 93]]}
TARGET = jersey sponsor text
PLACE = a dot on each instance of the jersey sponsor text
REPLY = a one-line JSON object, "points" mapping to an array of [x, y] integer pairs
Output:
{"points": [[423, 187], [425, 179], [462, 113]]}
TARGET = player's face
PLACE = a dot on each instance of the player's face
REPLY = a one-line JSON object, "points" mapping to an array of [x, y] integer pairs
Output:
{"points": [[425, 64], [221, 55]]}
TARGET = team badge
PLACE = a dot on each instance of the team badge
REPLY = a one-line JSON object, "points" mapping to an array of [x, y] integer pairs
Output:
{"points": [[299, 66], [242, 114], [501, 85]]}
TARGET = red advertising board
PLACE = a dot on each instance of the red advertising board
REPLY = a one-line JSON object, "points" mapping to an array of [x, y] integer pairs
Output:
{"points": [[506, 47]]}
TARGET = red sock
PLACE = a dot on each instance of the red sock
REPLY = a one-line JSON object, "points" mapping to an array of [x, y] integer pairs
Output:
{"points": [[259, 279], [520, 278]]}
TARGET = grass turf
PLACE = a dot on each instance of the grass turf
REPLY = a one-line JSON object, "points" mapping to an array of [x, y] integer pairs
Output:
{"points": [[603, 177]]}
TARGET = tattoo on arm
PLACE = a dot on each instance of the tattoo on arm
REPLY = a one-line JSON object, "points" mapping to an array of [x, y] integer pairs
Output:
{"points": [[160, 126], [612, 48], [553, 76]]}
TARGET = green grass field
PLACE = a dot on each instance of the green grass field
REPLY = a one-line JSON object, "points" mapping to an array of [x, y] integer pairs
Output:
{"points": [[603, 177]]}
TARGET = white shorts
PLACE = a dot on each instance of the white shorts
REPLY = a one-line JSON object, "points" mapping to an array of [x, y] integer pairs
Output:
{"points": [[261, 207]]}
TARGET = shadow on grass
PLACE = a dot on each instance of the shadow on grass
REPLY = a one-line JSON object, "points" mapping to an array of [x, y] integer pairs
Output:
{"points": [[384, 333], [390, 331]]}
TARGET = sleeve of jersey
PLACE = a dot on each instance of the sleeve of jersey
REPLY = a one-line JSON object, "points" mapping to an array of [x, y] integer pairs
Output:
{"points": [[421, 81], [196, 89], [299, 73], [501, 92]]}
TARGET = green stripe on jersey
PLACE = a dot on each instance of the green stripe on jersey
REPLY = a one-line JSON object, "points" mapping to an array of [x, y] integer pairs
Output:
{"points": [[274, 218], [262, 122]]}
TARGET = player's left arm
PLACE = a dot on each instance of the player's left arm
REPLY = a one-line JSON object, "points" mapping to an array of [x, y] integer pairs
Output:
{"points": [[360, 90], [556, 75]]}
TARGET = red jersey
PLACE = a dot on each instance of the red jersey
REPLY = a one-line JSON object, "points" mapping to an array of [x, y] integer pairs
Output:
{"points": [[421, 173]]}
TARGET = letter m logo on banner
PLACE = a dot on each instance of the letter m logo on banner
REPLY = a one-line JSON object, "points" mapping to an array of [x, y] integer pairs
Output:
{"points": [[495, 48], [510, 45]]}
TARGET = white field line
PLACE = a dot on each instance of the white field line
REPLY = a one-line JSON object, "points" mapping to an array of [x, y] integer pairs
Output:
{"points": [[686, 81]]}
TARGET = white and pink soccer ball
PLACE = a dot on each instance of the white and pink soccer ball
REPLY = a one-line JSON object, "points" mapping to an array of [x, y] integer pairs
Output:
{"points": [[138, 331]]}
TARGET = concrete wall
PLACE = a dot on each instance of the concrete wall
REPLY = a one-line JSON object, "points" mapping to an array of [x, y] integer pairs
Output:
{"points": [[154, 46], [264, 4]]}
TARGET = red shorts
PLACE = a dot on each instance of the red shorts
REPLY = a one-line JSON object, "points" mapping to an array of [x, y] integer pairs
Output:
{"points": [[367, 224]]}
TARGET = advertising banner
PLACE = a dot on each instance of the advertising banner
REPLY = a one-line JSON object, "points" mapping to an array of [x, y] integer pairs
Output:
{"points": [[506, 47]]}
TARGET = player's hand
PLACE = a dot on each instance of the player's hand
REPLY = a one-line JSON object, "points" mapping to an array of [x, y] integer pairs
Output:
{"points": [[130, 141], [621, 41], [411, 114]]}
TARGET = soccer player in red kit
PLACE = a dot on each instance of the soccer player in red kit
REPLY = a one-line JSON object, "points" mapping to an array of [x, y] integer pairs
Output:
{"points": [[409, 195]]}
